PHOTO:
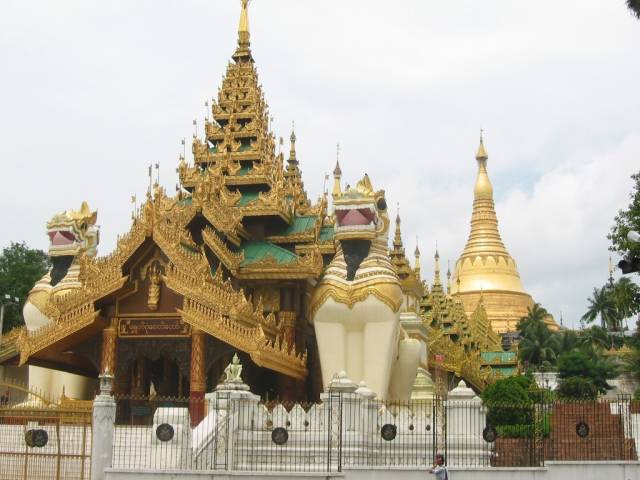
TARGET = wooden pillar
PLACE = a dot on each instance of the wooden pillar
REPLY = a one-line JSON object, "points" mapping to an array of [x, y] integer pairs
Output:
{"points": [[109, 346], [197, 377]]}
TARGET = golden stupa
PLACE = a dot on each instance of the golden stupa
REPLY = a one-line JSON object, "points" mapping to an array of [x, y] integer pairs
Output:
{"points": [[486, 271]]}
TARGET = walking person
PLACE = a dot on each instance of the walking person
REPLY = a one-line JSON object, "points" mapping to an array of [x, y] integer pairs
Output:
{"points": [[438, 469]]}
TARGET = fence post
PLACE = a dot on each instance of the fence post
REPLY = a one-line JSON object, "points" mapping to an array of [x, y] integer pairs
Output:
{"points": [[104, 416]]}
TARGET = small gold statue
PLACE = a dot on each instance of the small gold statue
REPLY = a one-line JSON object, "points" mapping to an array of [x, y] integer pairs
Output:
{"points": [[155, 278]]}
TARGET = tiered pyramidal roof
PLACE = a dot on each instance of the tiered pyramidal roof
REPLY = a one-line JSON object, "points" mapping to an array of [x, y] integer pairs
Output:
{"points": [[240, 150]]}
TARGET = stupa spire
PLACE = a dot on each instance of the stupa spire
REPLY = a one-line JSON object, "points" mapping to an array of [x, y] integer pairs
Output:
{"points": [[243, 51], [486, 271], [293, 161], [437, 283], [337, 174], [484, 240], [416, 255], [398, 247]]}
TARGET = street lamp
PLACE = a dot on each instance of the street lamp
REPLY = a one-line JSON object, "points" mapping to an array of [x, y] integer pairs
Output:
{"points": [[6, 300]]}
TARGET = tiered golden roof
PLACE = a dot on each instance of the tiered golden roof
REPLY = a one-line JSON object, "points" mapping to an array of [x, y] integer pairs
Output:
{"points": [[238, 223], [465, 342], [409, 277]]}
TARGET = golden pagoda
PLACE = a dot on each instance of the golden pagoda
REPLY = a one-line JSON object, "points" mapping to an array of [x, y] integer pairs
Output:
{"points": [[225, 266], [486, 270]]}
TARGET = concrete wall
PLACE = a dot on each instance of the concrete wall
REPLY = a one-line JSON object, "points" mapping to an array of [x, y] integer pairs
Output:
{"points": [[552, 471]]}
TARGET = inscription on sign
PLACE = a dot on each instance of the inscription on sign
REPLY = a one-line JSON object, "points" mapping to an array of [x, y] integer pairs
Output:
{"points": [[153, 327]]}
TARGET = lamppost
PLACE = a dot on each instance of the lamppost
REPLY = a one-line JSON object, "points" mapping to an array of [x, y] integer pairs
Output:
{"points": [[7, 300]]}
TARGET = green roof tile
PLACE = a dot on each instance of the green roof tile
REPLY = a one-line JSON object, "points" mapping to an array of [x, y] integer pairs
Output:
{"points": [[504, 357], [244, 170], [247, 197], [258, 250], [300, 224], [326, 233]]}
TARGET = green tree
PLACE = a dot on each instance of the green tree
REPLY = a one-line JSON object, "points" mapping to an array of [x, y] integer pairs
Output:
{"points": [[602, 306], [578, 364], [634, 6], [566, 341], [20, 268], [626, 297], [594, 340], [537, 347], [629, 218], [578, 388], [509, 401]]}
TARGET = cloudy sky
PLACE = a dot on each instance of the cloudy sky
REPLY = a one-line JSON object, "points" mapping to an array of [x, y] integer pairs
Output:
{"points": [[92, 92]]}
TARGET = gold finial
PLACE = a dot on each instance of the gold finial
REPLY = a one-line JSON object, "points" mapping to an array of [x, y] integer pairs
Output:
{"points": [[243, 25], [292, 150], [397, 239], [337, 174], [416, 254], [482, 153], [437, 284]]}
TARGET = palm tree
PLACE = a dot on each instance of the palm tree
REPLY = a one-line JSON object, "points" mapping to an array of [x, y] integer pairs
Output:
{"points": [[593, 340], [602, 305], [537, 350], [634, 6], [566, 341], [626, 297], [535, 316], [537, 345]]}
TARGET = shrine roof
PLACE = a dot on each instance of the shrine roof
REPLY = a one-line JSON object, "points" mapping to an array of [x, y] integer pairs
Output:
{"points": [[505, 371], [247, 197], [244, 170], [300, 224], [326, 233], [258, 250], [503, 357]]}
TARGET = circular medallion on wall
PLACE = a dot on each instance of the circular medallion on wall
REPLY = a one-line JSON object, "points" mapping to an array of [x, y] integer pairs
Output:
{"points": [[582, 429], [279, 435], [36, 438], [388, 432], [489, 434], [164, 432]]}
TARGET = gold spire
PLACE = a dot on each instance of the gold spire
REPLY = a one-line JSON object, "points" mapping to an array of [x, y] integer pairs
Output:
{"points": [[243, 25], [398, 247], [437, 284], [486, 272], [485, 262], [416, 255], [481, 154], [337, 174], [292, 150], [243, 52]]}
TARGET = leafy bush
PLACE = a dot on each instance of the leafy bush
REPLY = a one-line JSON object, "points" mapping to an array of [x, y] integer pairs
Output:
{"points": [[509, 401], [524, 430], [579, 388]]}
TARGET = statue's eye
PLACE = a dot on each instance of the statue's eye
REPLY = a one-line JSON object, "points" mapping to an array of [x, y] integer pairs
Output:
{"points": [[382, 204], [83, 226]]}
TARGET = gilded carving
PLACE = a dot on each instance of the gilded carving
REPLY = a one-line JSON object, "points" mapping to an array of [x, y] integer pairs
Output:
{"points": [[154, 274]]}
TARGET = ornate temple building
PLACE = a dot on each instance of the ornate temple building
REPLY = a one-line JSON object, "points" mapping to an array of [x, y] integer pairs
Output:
{"points": [[485, 272], [241, 261]]}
